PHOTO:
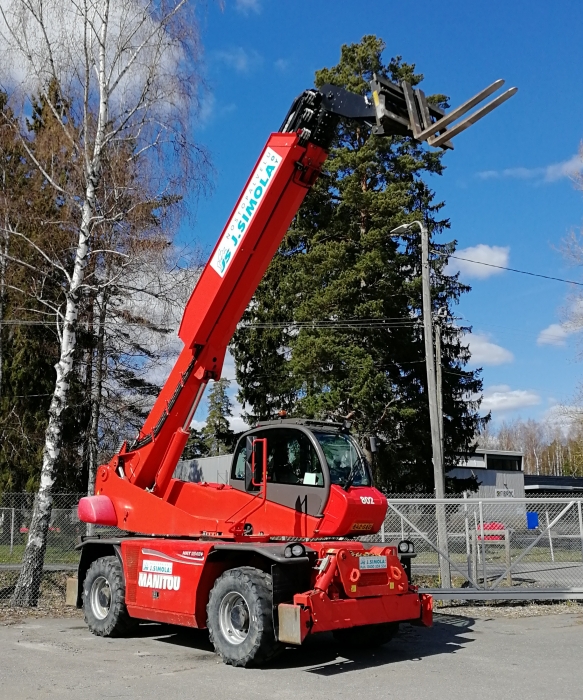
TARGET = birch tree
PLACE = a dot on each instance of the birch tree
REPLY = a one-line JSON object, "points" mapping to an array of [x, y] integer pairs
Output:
{"points": [[119, 79]]}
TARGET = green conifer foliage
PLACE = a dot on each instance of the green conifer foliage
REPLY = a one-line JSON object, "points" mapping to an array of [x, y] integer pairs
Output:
{"points": [[217, 434], [335, 327]]}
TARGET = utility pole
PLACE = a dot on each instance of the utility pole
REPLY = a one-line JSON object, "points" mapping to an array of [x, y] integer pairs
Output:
{"points": [[439, 386], [432, 396], [439, 317]]}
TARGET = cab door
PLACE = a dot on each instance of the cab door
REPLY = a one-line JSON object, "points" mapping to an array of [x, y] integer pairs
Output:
{"points": [[295, 477]]}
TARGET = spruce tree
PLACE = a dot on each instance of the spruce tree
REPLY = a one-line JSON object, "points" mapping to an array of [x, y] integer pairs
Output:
{"points": [[217, 434], [334, 329]]}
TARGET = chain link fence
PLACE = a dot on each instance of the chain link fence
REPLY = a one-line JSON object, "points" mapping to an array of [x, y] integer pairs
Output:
{"points": [[495, 548], [61, 558], [529, 548]]}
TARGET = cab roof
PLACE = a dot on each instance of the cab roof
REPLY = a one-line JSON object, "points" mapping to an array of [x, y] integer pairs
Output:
{"points": [[306, 422]]}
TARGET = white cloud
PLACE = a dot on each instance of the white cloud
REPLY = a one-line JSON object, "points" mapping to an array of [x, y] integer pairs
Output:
{"points": [[567, 168], [210, 112], [484, 352], [548, 173], [229, 368], [563, 417], [207, 109], [239, 59], [238, 425], [501, 398], [482, 253], [58, 44], [555, 334], [281, 64], [247, 6]]}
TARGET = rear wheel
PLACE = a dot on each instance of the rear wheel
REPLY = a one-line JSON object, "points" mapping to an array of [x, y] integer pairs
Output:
{"points": [[104, 606], [240, 617], [366, 636]]}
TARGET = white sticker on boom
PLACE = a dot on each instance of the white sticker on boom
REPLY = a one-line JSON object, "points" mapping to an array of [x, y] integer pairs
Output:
{"points": [[157, 567], [368, 563], [250, 201]]}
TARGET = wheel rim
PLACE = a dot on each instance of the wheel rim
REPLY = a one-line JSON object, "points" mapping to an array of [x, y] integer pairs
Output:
{"points": [[234, 618], [100, 597]]}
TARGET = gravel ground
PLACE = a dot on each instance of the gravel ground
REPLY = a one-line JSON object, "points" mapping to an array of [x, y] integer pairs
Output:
{"points": [[52, 604], [511, 608], [11, 616], [458, 658]]}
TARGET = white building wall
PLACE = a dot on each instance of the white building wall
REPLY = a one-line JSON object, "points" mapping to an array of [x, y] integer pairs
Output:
{"points": [[212, 470]]}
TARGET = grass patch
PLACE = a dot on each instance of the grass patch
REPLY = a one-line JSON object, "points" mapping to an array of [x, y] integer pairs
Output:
{"points": [[54, 554], [434, 581]]}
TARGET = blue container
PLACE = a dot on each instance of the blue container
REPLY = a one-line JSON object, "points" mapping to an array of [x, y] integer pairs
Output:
{"points": [[532, 521]]}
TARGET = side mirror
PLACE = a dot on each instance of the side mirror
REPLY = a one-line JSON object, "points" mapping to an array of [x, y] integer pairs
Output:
{"points": [[255, 463], [373, 444]]}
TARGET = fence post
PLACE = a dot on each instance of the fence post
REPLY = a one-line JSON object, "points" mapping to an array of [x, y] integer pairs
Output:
{"points": [[477, 530], [475, 552], [383, 532], [402, 529], [12, 532], [483, 545], [580, 525], [508, 557], [550, 536], [467, 526]]}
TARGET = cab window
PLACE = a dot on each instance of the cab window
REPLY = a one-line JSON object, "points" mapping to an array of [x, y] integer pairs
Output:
{"points": [[346, 462], [239, 463], [291, 458]]}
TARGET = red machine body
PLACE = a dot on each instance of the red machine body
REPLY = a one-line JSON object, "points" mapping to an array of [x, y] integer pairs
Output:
{"points": [[207, 548], [340, 595], [169, 580]]}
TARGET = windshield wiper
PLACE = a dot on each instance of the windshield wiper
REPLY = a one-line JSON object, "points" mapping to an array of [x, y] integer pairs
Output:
{"points": [[349, 478]]}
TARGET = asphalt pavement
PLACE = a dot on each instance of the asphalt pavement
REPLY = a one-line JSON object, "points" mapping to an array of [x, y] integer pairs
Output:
{"points": [[534, 658]]}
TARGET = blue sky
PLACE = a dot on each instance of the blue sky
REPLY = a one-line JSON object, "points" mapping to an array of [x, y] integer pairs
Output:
{"points": [[508, 185]]}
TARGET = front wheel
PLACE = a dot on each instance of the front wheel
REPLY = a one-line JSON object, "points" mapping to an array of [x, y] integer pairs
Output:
{"points": [[366, 636], [104, 605], [240, 617]]}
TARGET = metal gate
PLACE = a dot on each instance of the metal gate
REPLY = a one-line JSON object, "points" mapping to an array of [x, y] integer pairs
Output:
{"points": [[522, 548]]}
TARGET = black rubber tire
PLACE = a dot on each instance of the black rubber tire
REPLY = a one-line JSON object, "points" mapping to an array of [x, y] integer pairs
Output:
{"points": [[259, 645], [366, 636], [117, 622]]}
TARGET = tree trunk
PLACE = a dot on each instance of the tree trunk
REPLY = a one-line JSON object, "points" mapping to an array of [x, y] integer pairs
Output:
{"points": [[27, 589], [96, 387], [2, 297]]}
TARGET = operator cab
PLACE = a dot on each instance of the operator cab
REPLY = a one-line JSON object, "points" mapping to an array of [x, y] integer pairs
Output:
{"points": [[299, 460]]}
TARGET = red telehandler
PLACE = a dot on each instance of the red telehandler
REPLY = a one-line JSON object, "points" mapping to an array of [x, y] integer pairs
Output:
{"points": [[249, 559]]}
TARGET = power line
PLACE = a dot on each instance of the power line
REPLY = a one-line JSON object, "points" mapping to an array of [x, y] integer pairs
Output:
{"points": [[336, 323], [109, 324], [510, 269]]}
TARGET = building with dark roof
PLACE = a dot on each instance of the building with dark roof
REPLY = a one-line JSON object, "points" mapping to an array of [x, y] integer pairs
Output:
{"points": [[499, 472], [557, 485]]}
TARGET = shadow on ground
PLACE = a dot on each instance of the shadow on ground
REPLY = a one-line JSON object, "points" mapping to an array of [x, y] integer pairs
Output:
{"points": [[322, 655]]}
